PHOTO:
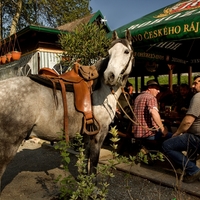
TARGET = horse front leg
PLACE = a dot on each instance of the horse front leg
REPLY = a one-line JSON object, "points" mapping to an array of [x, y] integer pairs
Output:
{"points": [[95, 147], [94, 156], [86, 140]]}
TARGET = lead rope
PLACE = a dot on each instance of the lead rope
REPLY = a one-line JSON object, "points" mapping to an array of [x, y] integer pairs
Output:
{"points": [[135, 122]]}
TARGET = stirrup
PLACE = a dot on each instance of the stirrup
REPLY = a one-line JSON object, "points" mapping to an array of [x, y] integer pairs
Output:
{"points": [[91, 129]]}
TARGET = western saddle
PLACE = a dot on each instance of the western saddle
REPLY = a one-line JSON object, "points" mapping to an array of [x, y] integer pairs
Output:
{"points": [[80, 78]]}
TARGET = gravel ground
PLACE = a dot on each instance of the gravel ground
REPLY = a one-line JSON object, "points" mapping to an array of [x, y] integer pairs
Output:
{"points": [[32, 173], [129, 187]]}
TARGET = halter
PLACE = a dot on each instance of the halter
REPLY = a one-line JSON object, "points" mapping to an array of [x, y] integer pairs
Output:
{"points": [[125, 68]]}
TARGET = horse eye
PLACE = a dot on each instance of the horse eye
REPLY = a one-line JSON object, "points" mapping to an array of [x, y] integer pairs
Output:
{"points": [[126, 51]]}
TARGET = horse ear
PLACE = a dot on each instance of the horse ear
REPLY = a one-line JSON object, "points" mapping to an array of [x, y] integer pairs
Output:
{"points": [[128, 35], [114, 35]]}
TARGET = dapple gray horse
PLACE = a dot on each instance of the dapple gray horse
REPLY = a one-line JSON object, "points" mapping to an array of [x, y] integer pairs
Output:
{"points": [[27, 107]]}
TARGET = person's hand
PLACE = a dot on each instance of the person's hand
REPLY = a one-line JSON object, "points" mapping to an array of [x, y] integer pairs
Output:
{"points": [[164, 131], [118, 111], [184, 109], [176, 134]]}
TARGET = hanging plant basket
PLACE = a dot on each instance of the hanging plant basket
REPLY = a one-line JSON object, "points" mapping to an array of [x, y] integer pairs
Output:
{"points": [[8, 56], [3, 59], [8, 53], [3, 52], [16, 55]]}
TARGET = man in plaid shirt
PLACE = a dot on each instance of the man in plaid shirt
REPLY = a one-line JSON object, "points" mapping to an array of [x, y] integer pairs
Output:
{"points": [[148, 122]]}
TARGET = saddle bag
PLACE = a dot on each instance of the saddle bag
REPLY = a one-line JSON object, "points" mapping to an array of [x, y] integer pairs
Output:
{"points": [[88, 72]]}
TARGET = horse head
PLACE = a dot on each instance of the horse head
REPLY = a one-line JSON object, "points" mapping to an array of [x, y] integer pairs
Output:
{"points": [[121, 59]]}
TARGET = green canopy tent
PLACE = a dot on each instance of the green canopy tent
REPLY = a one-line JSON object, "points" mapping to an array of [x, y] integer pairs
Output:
{"points": [[166, 38]]}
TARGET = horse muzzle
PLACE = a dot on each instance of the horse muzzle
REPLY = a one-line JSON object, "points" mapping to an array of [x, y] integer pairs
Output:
{"points": [[111, 79]]}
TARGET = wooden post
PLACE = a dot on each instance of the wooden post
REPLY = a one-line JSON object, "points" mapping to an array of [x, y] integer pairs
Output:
{"points": [[171, 67], [142, 83], [178, 78], [190, 76], [38, 56], [136, 84], [170, 79]]}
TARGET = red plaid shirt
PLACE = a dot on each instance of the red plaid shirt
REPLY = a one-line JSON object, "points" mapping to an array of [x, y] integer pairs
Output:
{"points": [[143, 103]]}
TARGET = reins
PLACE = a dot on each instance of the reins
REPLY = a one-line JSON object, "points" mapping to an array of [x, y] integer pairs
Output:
{"points": [[130, 107]]}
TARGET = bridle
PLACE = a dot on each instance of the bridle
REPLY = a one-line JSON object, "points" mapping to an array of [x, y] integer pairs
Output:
{"points": [[130, 59], [124, 42], [125, 68]]}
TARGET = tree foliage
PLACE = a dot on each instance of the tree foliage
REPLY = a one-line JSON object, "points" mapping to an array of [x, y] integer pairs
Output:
{"points": [[88, 43], [17, 14]]}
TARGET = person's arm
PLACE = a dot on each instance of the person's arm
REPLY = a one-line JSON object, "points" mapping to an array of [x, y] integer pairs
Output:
{"points": [[156, 117], [130, 89], [185, 125]]}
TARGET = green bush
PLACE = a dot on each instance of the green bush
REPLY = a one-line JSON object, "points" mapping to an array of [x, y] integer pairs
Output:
{"points": [[84, 187]]}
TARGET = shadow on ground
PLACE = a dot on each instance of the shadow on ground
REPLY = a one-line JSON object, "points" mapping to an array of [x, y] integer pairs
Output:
{"points": [[33, 160]]}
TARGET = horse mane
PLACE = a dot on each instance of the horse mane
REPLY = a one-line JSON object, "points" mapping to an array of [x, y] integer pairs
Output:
{"points": [[101, 66]]}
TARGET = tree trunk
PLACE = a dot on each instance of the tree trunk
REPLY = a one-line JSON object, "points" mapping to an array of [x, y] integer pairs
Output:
{"points": [[1, 25], [16, 17]]}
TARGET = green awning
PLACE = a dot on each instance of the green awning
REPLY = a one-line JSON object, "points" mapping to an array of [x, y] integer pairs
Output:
{"points": [[172, 32], [176, 21]]}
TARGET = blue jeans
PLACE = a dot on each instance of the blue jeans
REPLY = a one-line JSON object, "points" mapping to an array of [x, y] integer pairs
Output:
{"points": [[174, 146], [159, 137]]}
